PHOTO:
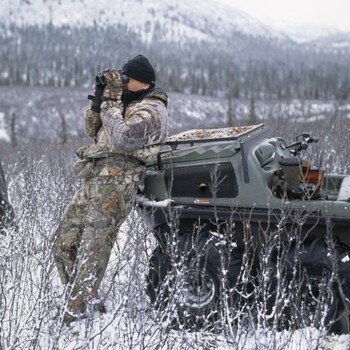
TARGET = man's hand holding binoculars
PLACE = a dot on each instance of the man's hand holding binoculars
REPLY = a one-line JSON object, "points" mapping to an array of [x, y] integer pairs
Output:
{"points": [[107, 93], [113, 89], [108, 90]]}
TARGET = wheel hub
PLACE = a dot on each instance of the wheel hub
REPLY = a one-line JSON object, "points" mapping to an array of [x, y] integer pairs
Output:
{"points": [[316, 292], [196, 289]]}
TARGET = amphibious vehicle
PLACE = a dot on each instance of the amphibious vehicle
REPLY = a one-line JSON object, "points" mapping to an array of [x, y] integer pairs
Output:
{"points": [[241, 217]]}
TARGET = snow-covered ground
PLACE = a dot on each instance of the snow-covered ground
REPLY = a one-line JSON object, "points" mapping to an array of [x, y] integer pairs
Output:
{"points": [[32, 298], [41, 184]]}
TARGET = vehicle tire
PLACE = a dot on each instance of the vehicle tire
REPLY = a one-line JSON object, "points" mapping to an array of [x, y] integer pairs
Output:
{"points": [[343, 254], [316, 295], [159, 266], [193, 286]]}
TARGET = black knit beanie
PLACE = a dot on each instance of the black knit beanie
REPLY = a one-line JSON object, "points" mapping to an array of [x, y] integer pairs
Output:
{"points": [[140, 69]]}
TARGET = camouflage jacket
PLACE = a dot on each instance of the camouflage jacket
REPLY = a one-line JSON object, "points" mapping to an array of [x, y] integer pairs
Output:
{"points": [[126, 141]]}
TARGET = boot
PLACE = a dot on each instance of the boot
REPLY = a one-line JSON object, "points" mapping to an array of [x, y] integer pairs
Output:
{"points": [[96, 302], [76, 310]]}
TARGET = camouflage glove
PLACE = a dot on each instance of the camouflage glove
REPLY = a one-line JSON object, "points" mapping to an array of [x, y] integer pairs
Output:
{"points": [[96, 98], [113, 90], [92, 122]]}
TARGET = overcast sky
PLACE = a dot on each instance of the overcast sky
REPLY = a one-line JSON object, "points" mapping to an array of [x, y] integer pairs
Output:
{"points": [[332, 13]]}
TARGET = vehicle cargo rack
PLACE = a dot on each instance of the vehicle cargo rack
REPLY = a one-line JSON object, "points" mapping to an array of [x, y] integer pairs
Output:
{"points": [[211, 135], [245, 135]]}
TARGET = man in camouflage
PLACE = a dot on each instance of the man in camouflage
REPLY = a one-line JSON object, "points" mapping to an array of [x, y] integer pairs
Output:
{"points": [[124, 120]]}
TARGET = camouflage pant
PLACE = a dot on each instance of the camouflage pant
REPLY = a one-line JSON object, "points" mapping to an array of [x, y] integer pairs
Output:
{"points": [[89, 227]]}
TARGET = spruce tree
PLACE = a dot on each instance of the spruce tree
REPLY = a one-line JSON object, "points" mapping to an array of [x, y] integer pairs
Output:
{"points": [[13, 128], [252, 118], [63, 133], [231, 118]]}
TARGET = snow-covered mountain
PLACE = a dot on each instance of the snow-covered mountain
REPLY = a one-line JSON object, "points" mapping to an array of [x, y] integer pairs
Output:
{"points": [[305, 33], [315, 35], [200, 19], [337, 40]]}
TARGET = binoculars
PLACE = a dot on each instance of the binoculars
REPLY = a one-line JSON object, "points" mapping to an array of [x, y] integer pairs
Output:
{"points": [[101, 80]]}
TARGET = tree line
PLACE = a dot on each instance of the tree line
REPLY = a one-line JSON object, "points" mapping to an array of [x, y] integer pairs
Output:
{"points": [[237, 66]]}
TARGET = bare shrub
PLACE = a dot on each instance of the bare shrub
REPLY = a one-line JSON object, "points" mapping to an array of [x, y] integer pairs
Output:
{"points": [[251, 305]]}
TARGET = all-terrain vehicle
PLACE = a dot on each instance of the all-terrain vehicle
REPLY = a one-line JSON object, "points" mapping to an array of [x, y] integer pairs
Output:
{"points": [[242, 221]]}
